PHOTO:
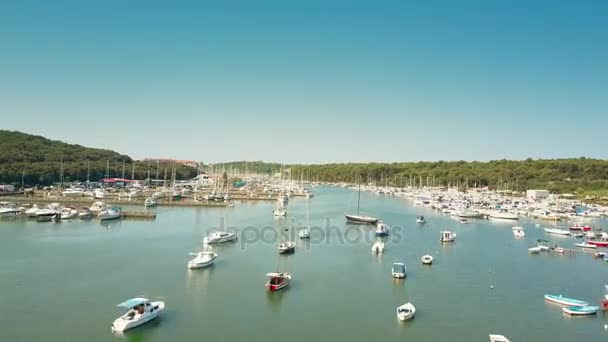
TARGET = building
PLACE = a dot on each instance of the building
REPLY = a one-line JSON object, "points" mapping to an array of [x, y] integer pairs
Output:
{"points": [[537, 195], [7, 187]]}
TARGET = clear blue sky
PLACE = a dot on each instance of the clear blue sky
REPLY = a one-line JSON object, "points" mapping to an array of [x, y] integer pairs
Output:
{"points": [[310, 81]]}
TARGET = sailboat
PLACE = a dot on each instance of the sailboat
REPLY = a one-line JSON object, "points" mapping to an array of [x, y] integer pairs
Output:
{"points": [[359, 218]]}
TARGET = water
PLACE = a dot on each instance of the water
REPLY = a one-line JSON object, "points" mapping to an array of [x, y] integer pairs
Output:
{"points": [[61, 282]]}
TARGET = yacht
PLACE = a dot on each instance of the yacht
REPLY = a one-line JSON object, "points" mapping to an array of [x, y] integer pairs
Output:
{"points": [[219, 237], [503, 214], [202, 259], [9, 209], [287, 247], [109, 214], [68, 213], [304, 233], [141, 310], [447, 236]]}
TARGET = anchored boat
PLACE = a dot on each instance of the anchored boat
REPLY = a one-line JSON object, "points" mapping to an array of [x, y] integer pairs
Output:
{"points": [[406, 312], [277, 281], [580, 310], [561, 300], [447, 236], [141, 310], [202, 259], [399, 270]]}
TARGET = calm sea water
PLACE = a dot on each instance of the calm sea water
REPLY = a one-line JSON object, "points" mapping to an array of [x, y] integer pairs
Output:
{"points": [[61, 282]]}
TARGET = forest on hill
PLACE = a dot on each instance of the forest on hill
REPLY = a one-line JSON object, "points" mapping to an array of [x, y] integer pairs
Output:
{"points": [[40, 161]]}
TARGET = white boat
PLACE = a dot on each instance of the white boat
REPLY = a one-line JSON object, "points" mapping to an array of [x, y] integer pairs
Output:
{"points": [[68, 213], [141, 310], [557, 231], [586, 245], [378, 247], [109, 214], [498, 338], [504, 215], [99, 194], [304, 233], [287, 247], [219, 237], [277, 281], [279, 212], [534, 250], [9, 209], [202, 259], [46, 212], [361, 219], [427, 259], [464, 221], [447, 236], [73, 192], [150, 202], [97, 206], [31, 212], [420, 219], [85, 214], [580, 310], [519, 232], [406, 312], [381, 229], [561, 300], [399, 270]]}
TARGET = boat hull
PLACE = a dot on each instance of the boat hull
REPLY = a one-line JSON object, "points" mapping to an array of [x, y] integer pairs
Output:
{"points": [[580, 311], [121, 325], [565, 301], [361, 219]]}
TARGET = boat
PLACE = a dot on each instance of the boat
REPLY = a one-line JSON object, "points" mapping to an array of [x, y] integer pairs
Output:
{"points": [[447, 236], [97, 206], [420, 219], [359, 218], [406, 312], [85, 214], [427, 259], [277, 281], [141, 310], [68, 213], [519, 232], [586, 245], [31, 212], [534, 250], [579, 227], [464, 221], [598, 243], [504, 215], [580, 310], [279, 212], [287, 247], [46, 214], [202, 259], [498, 338], [304, 233], [558, 249], [150, 202], [219, 237], [564, 301], [557, 231], [381, 229], [399, 270], [9, 209], [109, 214], [378, 247]]}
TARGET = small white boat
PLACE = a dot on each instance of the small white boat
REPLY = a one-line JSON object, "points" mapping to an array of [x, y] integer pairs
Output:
{"points": [[202, 259], [558, 249], [586, 245], [68, 213], [519, 232], [556, 231], [427, 259], [141, 310], [304, 233], [381, 229], [447, 236], [498, 338], [378, 247], [150, 202], [406, 312], [399, 270], [109, 214], [420, 219], [277, 281], [219, 237], [580, 310], [31, 212], [534, 250], [287, 247], [561, 300], [279, 212], [85, 214], [361, 219]]}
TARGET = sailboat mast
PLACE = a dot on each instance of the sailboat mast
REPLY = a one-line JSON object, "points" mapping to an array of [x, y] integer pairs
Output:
{"points": [[358, 197]]}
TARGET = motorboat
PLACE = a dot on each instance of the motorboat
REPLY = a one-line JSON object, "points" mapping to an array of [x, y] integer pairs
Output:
{"points": [[427, 259], [68, 213], [150, 202], [498, 338], [202, 259], [579, 227], [534, 250], [361, 219], [287, 247], [277, 281], [420, 219], [378, 247], [586, 245], [31, 212], [46, 213], [504, 215], [581, 310], [279, 212], [558, 249], [219, 237], [141, 310], [9, 209], [598, 243], [304, 233], [399, 270], [85, 214], [464, 221], [406, 312], [109, 214], [557, 231], [564, 301], [381, 229], [519, 232], [447, 236], [97, 206]]}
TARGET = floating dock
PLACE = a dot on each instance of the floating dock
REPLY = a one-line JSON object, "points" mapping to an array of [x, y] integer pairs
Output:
{"points": [[144, 215]]}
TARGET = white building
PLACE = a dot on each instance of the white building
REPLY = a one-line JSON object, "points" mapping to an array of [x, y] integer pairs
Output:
{"points": [[537, 195]]}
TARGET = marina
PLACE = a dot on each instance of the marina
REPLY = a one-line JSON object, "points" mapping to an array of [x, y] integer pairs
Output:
{"points": [[484, 268]]}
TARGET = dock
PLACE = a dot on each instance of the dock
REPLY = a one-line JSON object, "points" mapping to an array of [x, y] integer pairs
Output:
{"points": [[143, 215]]}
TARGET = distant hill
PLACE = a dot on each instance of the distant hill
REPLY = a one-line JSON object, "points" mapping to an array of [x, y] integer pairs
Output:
{"points": [[40, 159]]}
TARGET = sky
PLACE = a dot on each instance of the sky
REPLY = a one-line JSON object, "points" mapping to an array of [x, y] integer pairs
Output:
{"points": [[310, 81]]}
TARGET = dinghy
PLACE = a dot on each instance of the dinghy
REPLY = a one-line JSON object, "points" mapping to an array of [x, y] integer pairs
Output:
{"points": [[406, 312], [287, 247], [565, 301], [420, 219], [556, 231], [586, 245], [518, 231], [141, 310], [399, 270], [381, 229], [580, 310], [427, 259]]}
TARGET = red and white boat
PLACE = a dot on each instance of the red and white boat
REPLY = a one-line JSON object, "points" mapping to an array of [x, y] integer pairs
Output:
{"points": [[277, 281], [580, 228], [599, 243]]}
